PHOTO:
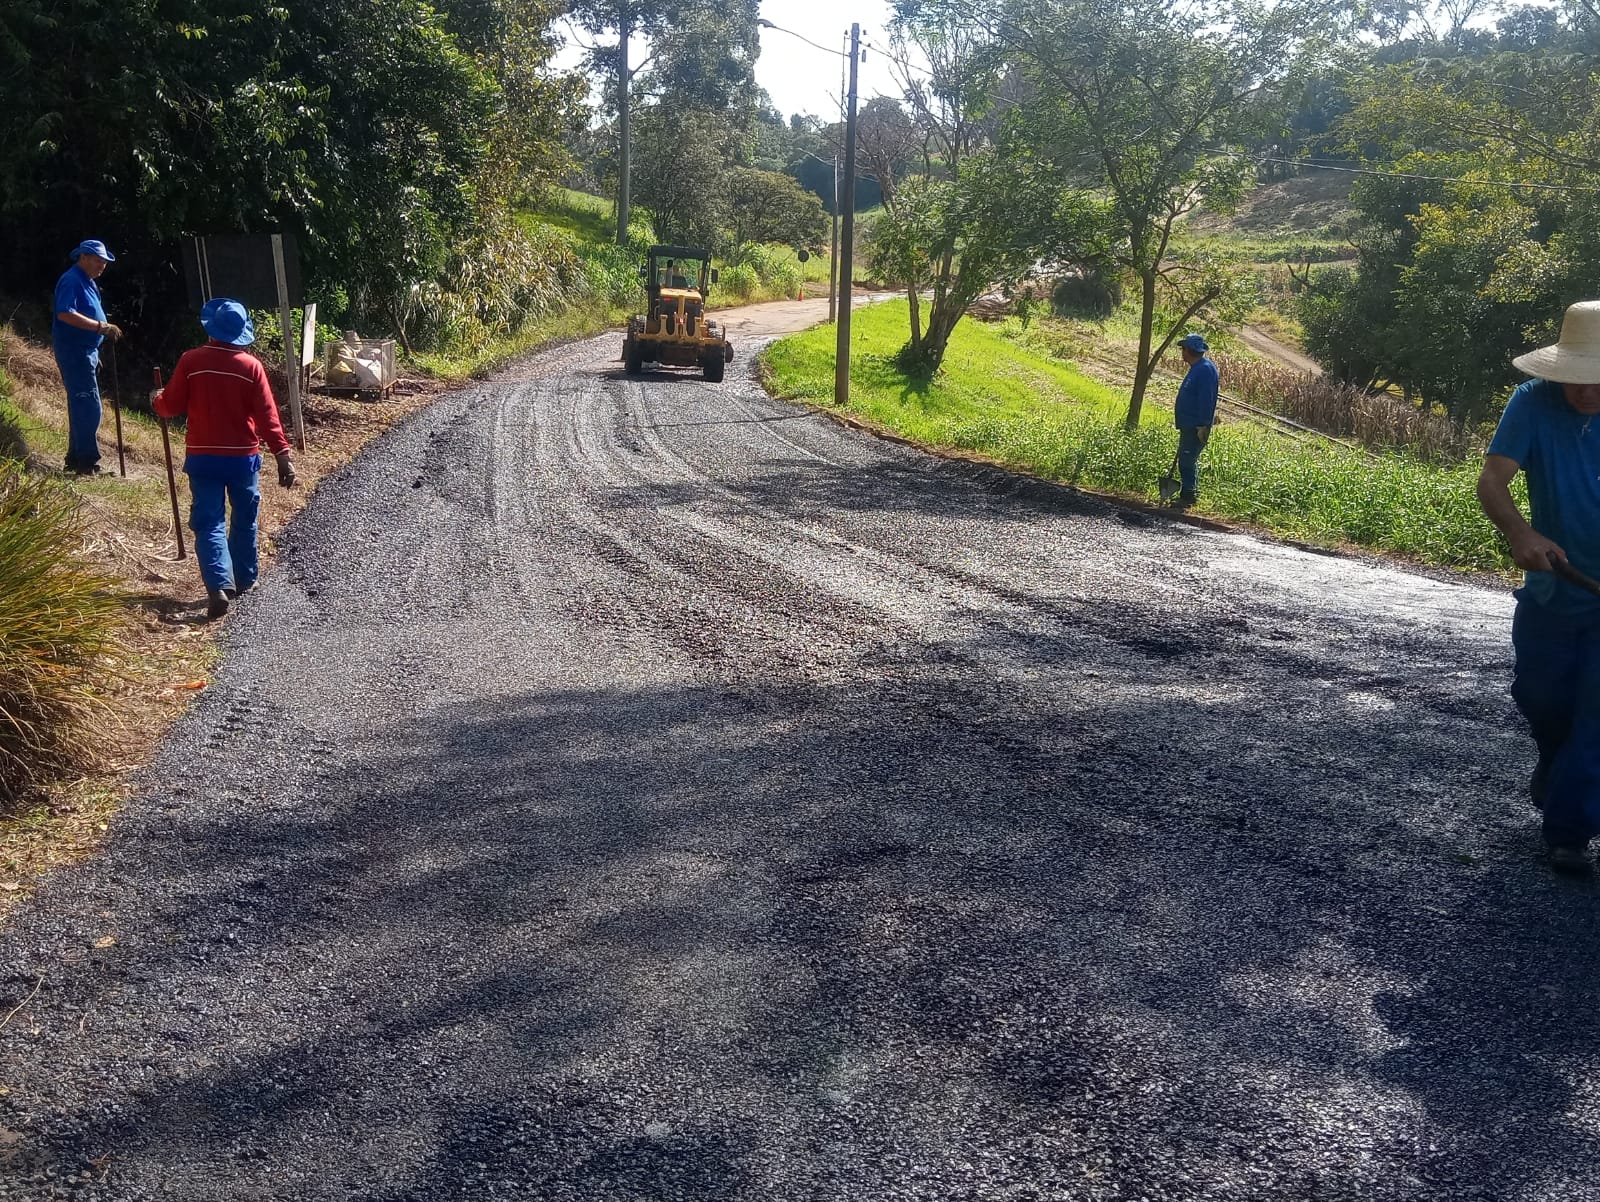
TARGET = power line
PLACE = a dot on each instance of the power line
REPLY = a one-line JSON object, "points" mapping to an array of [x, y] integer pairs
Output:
{"points": [[1432, 179]]}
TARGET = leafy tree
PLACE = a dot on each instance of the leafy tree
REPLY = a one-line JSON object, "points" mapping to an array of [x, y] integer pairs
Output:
{"points": [[1489, 226], [767, 206], [622, 20], [360, 127], [681, 173], [1131, 97], [701, 57]]}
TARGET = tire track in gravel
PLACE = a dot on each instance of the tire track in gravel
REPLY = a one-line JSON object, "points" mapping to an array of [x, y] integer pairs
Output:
{"points": [[634, 789]]}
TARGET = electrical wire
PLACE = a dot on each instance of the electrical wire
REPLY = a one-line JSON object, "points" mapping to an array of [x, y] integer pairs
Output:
{"points": [[1433, 179]]}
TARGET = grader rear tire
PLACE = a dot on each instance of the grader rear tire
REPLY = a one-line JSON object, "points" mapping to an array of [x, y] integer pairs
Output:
{"points": [[632, 357], [712, 364]]}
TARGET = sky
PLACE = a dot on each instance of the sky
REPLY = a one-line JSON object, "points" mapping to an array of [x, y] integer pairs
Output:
{"points": [[801, 78]]}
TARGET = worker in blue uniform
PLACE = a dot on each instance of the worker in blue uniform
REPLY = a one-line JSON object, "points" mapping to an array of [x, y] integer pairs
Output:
{"points": [[80, 326], [1194, 414]]}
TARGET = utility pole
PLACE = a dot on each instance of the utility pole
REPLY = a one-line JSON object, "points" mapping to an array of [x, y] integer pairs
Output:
{"points": [[833, 253], [624, 187], [847, 239]]}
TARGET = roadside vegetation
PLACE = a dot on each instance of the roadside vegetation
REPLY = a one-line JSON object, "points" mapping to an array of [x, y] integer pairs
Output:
{"points": [[1001, 397]]}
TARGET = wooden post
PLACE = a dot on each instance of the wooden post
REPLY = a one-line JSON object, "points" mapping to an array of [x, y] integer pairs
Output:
{"points": [[847, 238], [172, 480], [291, 358], [116, 408]]}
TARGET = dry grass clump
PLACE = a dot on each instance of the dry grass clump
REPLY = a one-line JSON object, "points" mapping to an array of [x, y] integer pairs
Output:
{"points": [[58, 617], [1374, 419]]}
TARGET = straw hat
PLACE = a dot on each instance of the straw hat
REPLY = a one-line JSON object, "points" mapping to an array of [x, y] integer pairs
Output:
{"points": [[1575, 359]]}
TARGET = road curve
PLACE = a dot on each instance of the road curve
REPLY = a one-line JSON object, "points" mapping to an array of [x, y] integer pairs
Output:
{"points": [[646, 790]]}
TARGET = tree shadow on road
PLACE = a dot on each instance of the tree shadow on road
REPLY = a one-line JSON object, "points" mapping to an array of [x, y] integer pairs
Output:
{"points": [[1203, 926]]}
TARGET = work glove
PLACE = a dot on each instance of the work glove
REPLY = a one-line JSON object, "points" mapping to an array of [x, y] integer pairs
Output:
{"points": [[286, 475], [111, 331], [1204, 433]]}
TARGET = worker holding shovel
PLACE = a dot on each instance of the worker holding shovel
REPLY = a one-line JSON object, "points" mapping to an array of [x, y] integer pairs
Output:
{"points": [[1194, 414], [225, 395], [1549, 431]]}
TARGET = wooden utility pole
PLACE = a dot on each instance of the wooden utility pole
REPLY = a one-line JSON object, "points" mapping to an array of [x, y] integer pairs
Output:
{"points": [[624, 97], [833, 251], [847, 238]]}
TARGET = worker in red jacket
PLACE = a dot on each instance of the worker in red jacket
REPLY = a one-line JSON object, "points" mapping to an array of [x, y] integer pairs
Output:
{"points": [[225, 395]]}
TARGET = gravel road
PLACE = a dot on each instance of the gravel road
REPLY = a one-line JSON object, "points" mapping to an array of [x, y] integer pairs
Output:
{"points": [[649, 791]]}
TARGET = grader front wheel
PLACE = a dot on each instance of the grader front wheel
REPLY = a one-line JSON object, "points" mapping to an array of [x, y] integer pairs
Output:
{"points": [[713, 364]]}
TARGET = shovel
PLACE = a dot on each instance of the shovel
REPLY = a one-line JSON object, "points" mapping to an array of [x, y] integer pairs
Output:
{"points": [[116, 408], [1169, 485], [1571, 575]]}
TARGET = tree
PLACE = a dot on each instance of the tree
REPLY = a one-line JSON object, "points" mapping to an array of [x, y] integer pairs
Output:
{"points": [[976, 219], [768, 206], [1130, 97], [886, 135], [623, 19], [702, 56], [360, 127], [681, 173], [1487, 227]]}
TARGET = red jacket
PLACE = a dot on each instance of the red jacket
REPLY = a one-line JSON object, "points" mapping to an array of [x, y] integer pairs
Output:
{"points": [[225, 393]]}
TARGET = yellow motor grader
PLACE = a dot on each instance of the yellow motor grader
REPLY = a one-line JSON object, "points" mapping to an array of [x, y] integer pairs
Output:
{"points": [[674, 330]]}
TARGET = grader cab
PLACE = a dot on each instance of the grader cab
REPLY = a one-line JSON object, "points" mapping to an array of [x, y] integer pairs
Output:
{"points": [[674, 330]]}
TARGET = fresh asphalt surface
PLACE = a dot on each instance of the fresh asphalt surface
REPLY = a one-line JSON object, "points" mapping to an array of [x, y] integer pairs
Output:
{"points": [[648, 790]]}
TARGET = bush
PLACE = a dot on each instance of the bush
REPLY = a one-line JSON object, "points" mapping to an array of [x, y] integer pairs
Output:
{"points": [[739, 281], [57, 618], [768, 270], [1086, 296]]}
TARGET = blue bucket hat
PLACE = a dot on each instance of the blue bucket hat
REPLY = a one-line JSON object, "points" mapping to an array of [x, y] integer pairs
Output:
{"points": [[93, 246], [226, 321], [1193, 342]]}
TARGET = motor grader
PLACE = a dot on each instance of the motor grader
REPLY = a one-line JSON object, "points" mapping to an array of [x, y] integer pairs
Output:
{"points": [[674, 330]]}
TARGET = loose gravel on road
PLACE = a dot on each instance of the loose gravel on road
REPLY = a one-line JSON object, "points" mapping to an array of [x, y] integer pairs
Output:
{"points": [[629, 790]]}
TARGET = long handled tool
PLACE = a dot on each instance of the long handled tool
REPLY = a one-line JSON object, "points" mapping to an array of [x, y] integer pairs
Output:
{"points": [[1169, 485], [172, 480], [116, 408], [1571, 575]]}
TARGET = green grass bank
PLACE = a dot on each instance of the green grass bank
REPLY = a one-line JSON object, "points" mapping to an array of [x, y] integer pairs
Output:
{"points": [[1001, 398]]}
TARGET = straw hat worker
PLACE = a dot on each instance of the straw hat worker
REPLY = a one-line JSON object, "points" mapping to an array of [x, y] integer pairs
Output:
{"points": [[1551, 431]]}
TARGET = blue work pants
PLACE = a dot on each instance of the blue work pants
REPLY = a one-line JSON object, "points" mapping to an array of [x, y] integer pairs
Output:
{"points": [[225, 548], [79, 372], [1190, 445], [1557, 687]]}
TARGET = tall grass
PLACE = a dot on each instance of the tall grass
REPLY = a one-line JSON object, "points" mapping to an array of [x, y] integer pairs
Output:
{"points": [[1373, 419], [57, 618], [1026, 410]]}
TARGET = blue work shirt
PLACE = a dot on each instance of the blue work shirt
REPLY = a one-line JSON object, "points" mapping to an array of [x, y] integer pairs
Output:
{"points": [[1197, 396], [1559, 450], [76, 291]]}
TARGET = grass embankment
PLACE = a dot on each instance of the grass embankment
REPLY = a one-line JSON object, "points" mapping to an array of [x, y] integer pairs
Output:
{"points": [[1021, 408]]}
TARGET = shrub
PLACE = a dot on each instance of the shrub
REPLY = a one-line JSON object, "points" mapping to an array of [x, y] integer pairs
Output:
{"points": [[739, 280], [1086, 296], [57, 618]]}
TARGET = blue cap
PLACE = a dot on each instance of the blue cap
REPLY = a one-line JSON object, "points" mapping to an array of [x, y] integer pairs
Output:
{"points": [[226, 321], [1193, 342], [93, 246]]}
